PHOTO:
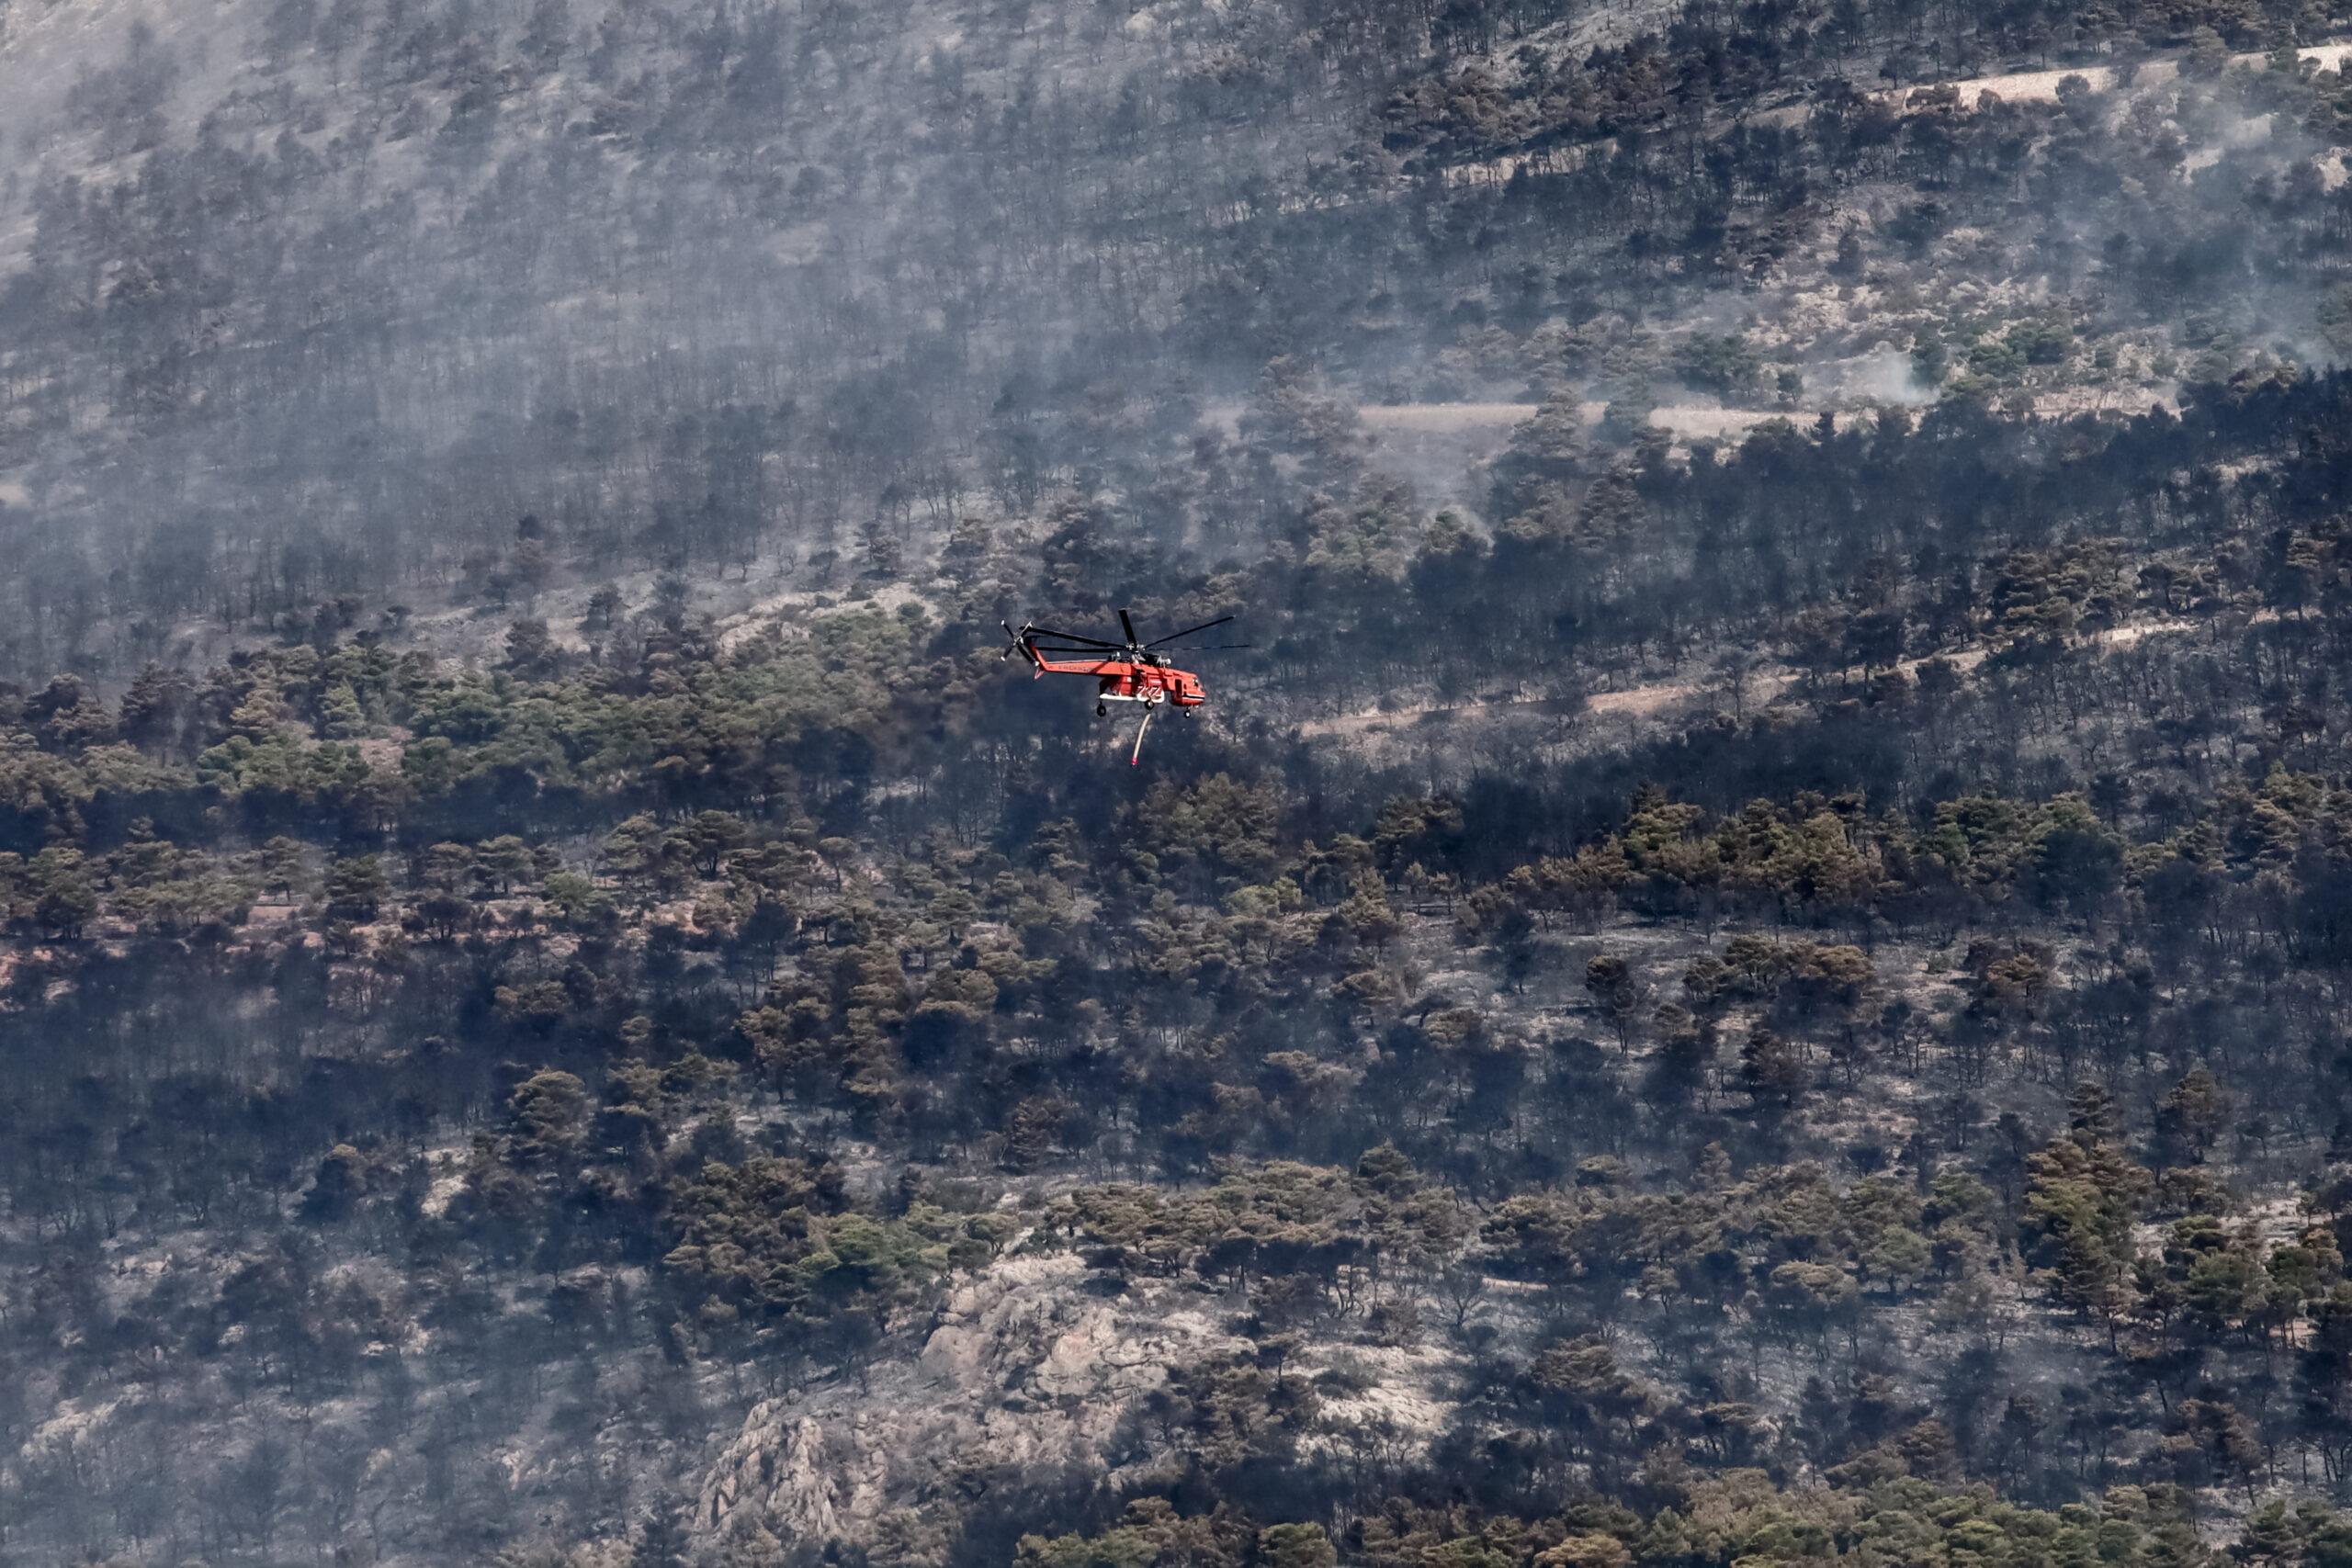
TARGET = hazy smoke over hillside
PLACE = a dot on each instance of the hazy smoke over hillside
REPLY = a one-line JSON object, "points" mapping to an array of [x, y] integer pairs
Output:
{"points": [[315, 299]]}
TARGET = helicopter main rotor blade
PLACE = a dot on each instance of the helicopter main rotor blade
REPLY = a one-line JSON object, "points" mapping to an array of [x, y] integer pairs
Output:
{"points": [[1129, 626], [1188, 631], [1212, 647], [1073, 637]]}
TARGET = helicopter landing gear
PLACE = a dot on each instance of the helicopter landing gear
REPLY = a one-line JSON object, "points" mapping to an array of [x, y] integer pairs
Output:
{"points": [[1102, 710]]}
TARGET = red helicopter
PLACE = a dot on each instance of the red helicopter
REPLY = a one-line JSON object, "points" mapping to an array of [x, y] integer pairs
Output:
{"points": [[1132, 672]]}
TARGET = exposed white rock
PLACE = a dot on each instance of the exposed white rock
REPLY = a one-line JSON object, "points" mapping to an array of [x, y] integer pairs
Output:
{"points": [[1022, 1368]]}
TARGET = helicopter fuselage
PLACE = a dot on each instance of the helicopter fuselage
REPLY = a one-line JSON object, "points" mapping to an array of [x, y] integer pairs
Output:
{"points": [[1126, 681]]}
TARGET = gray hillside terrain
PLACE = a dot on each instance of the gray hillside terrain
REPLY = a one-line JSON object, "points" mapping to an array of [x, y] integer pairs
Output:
{"points": [[1745, 962]]}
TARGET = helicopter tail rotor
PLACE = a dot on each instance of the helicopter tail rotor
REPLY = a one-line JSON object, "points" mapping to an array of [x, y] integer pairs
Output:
{"points": [[1022, 642]]}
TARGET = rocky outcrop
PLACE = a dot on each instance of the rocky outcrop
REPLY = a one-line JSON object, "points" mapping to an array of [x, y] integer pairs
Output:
{"points": [[1024, 1369]]}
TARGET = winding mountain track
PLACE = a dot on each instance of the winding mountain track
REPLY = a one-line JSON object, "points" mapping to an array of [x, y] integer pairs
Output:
{"points": [[2009, 86], [1762, 688]]}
